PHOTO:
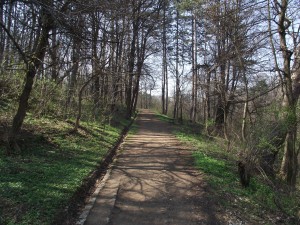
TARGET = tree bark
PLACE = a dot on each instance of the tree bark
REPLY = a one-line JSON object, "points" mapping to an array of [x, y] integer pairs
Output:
{"points": [[7, 42], [207, 100], [32, 67], [2, 33], [194, 71], [177, 87], [164, 90], [290, 87], [131, 69], [80, 94], [54, 56], [74, 72]]}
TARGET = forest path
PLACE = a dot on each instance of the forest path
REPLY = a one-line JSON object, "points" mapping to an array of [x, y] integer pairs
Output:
{"points": [[153, 182]]}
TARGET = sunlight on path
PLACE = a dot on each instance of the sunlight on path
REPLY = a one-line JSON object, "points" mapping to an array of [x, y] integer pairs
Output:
{"points": [[153, 182]]}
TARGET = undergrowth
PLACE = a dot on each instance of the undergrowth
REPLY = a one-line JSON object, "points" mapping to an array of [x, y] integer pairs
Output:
{"points": [[38, 183], [260, 203]]}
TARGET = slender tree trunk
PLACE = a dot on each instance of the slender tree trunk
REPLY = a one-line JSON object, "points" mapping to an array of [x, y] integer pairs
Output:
{"points": [[141, 50], [74, 72], [194, 71], [207, 100], [118, 65], [2, 33], [181, 108], [164, 64], [96, 91], [129, 86], [54, 56], [167, 88], [79, 111], [244, 121], [95, 64], [7, 42], [102, 73], [177, 87], [163, 102]]}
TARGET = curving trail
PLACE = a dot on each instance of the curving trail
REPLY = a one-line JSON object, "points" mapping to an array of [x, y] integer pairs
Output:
{"points": [[153, 182]]}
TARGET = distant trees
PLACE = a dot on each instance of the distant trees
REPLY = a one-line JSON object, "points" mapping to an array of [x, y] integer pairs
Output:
{"points": [[32, 55], [87, 60], [225, 49], [87, 57], [178, 45], [282, 14]]}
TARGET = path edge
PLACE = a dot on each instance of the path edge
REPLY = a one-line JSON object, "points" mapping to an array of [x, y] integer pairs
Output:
{"points": [[79, 203]]}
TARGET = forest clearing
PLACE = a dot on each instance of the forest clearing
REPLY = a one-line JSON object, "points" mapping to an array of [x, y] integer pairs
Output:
{"points": [[187, 109]]}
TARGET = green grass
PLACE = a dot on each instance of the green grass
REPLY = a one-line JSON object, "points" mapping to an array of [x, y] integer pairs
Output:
{"points": [[257, 201], [164, 118], [38, 183], [133, 129]]}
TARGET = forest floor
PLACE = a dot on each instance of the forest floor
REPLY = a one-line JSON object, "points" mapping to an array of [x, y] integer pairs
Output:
{"points": [[164, 173], [154, 181], [48, 180]]}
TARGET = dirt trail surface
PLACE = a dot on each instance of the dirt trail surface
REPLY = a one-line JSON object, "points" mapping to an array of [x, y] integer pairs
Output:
{"points": [[152, 182]]}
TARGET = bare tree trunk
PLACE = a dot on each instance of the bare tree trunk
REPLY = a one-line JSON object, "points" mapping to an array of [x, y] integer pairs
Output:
{"points": [[220, 100], [290, 87], [2, 33], [194, 71], [167, 88], [164, 65], [141, 49], [244, 122], [131, 69], [177, 87], [7, 42], [32, 67], [118, 65], [221, 87], [54, 56], [73, 77], [207, 100], [163, 103], [79, 112]]}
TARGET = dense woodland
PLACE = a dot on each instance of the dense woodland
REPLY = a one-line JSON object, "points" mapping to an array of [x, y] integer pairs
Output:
{"points": [[232, 66]]}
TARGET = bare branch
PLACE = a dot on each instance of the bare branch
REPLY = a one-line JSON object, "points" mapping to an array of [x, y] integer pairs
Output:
{"points": [[21, 52]]}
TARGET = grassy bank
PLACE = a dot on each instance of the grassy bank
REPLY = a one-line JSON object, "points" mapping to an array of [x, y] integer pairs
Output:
{"points": [[261, 203], [38, 183]]}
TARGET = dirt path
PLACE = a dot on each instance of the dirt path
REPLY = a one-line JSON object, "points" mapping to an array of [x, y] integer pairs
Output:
{"points": [[152, 182]]}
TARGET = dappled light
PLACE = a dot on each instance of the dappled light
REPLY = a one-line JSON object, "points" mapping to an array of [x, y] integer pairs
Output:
{"points": [[154, 182], [149, 112]]}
